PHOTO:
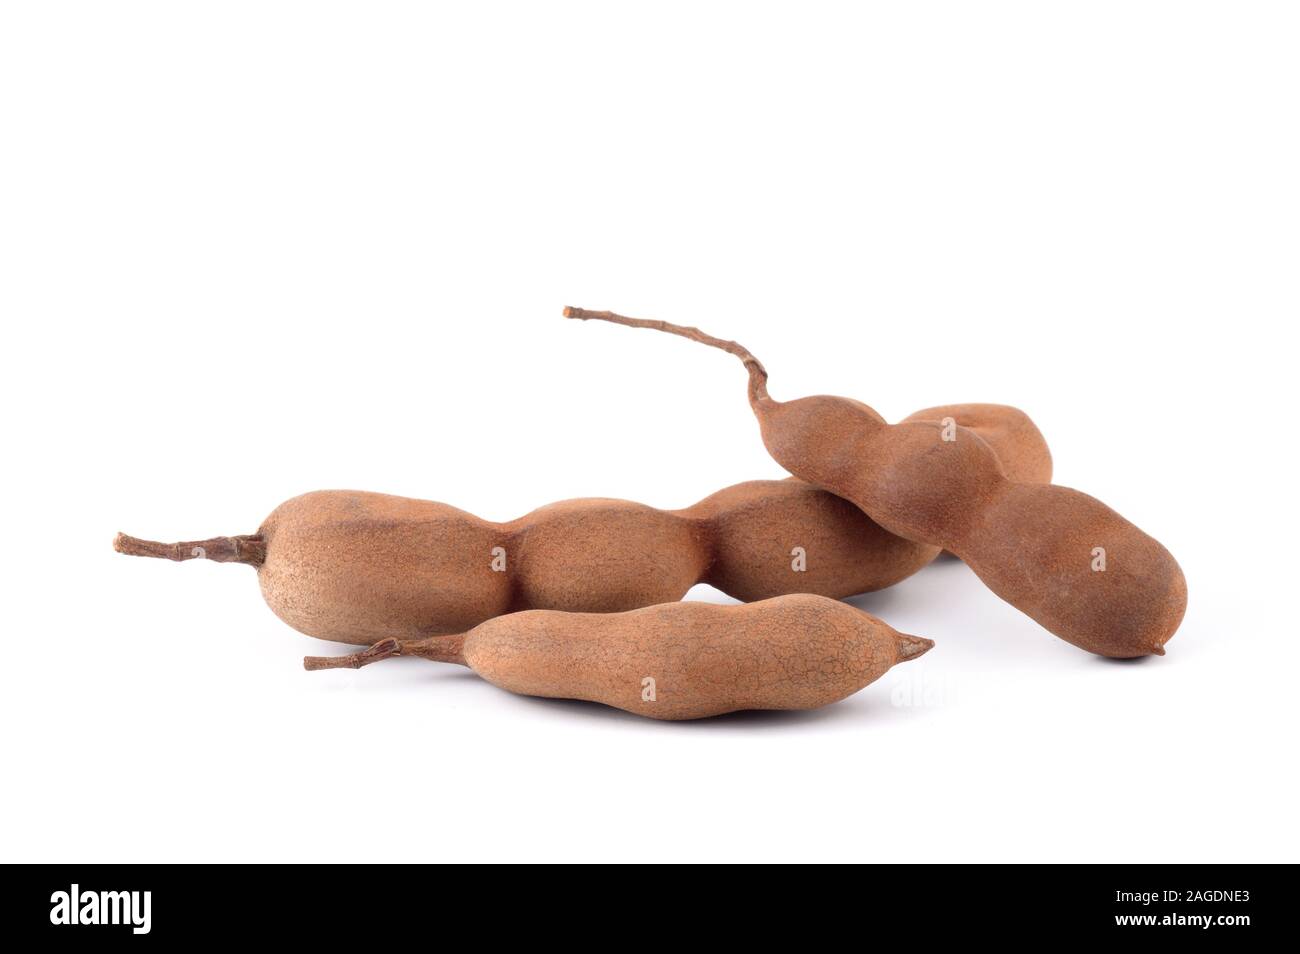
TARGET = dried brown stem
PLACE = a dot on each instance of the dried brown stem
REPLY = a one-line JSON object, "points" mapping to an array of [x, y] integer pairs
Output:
{"points": [[757, 373], [380, 650], [448, 649], [250, 549]]}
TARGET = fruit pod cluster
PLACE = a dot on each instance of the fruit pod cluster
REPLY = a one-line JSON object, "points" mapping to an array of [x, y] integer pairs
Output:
{"points": [[580, 599]]}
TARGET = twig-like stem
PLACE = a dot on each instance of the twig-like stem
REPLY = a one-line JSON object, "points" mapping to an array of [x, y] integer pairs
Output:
{"points": [[244, 549], [448, 649], [757, 373], [380, 650]]}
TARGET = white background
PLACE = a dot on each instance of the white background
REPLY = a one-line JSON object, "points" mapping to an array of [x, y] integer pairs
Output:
{"points": [[249, 250]]}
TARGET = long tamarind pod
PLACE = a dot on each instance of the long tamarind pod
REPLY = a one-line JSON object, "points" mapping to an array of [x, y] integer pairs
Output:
{"points": [[359, 567]]}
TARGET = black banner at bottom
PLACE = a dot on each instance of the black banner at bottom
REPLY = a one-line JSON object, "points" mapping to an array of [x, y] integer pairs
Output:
{"points": [[134, 905]]}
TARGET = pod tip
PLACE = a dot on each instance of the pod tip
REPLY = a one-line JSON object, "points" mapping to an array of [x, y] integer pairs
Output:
{"points": [[909, 647]]}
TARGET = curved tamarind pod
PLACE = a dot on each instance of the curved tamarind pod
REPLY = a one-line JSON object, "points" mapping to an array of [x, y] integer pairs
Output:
{"points": [[359, 567], [673, 661], [1064, 558]]}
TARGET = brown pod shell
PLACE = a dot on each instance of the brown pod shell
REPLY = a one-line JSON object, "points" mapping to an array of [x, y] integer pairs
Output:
{"points": [[1064, 558], [361, 567], [679, 660]]}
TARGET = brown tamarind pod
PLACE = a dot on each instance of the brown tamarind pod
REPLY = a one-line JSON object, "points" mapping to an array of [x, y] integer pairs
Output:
{"points": [[359, 567], [1064, 558], [673, 661]]}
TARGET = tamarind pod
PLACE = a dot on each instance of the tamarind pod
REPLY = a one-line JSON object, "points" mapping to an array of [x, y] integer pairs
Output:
{"points": [[1067, 560], [674, 661], [358, 567]]}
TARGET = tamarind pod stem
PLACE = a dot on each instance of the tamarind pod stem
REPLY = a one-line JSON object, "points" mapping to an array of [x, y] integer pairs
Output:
{"points": [[448, 649], [249, 549]]}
